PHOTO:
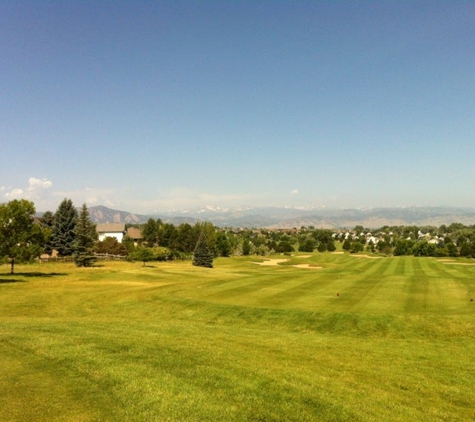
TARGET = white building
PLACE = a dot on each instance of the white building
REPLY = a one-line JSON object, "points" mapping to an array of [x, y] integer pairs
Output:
{"points": [[116, 230]]}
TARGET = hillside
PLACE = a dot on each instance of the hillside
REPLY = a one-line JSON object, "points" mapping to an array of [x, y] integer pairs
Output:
{"points": [[280, 217]]}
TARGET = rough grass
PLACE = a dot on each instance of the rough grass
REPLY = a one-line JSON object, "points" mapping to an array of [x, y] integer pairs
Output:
{"points": [[360, 339]]}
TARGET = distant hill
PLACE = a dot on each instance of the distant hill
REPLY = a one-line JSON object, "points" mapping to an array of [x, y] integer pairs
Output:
{"points": [[286, 217], [101, 214], [379, 217]]}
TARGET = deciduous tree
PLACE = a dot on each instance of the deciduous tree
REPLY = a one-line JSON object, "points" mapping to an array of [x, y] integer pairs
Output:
{"points": [[143, 254], [20, 237], [110, 245]]}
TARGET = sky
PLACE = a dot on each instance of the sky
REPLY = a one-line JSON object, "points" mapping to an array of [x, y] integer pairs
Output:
{"points": [[150, 106]]}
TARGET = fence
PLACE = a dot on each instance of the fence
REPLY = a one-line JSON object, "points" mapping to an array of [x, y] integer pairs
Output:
{"points": [[99, 256], [108, 256]]}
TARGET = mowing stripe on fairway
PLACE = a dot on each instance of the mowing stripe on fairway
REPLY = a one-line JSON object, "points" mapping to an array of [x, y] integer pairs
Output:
{"points": [[418, 288]]}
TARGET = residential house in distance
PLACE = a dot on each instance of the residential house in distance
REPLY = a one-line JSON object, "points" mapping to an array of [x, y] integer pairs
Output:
{"points": [[116, 230], [135, 234]]}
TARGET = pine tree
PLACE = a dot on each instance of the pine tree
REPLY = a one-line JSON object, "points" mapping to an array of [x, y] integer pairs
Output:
{"points": [[222, 245], [202, 256], [65, 219], [85, 237], [47, 223]]}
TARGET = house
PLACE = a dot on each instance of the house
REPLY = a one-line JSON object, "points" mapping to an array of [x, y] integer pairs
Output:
{"points": [[135, 234], [372, 239], [116, 230]]}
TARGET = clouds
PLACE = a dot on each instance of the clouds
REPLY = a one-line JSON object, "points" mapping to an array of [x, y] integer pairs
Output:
{"points": [[36, 184], [13, 194], [37, 191], [42, 192]]}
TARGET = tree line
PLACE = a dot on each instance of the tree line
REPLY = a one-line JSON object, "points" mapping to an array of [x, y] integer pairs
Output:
{"points": [[454, 240], [23, 237], [71, 233]]}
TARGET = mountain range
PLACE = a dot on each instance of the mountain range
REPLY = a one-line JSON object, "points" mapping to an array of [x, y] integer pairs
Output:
{"points": [[288, 217]]}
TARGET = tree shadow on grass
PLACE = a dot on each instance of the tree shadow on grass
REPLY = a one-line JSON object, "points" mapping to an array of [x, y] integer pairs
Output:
{"points": [[32, 274], [11, 280]]}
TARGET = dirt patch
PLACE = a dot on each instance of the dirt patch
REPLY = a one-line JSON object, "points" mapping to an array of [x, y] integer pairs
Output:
{"points": [[338, 253], [303, 256], [366, 256]]}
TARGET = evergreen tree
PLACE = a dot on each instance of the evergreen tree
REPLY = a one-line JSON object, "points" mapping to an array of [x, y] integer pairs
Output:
{"points": [[47, 223], [322, 247], [307, 244], [331, 246], [346, 245], [151, 231], [168, 236], [47, 219], [222, 245], [85, 237], [186, 239], [65, 219], [202, 256], [356, 246], [209, 232], [246, 247]]}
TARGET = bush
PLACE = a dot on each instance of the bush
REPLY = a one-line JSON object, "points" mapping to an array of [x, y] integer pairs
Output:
{"points": [[162, 254], [110, 245]]}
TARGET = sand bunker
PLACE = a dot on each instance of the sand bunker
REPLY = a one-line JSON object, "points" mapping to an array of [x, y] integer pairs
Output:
{"points": [[274, 262], [366, 256], [458, 263], [271, 262], [308, 266], [453, 262]]}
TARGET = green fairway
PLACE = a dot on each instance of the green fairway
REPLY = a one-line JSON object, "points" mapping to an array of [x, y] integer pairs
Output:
{"points": [[322, 337]]}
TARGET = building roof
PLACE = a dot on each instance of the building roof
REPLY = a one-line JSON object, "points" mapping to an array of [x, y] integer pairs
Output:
{"points": [[134, 233], [111, 228]]}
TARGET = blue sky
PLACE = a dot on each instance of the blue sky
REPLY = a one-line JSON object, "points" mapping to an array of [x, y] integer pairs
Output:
{"points": [[159, 105]]}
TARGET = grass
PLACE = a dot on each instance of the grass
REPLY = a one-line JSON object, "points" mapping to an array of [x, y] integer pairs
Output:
{"points": [[358, 340]]}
